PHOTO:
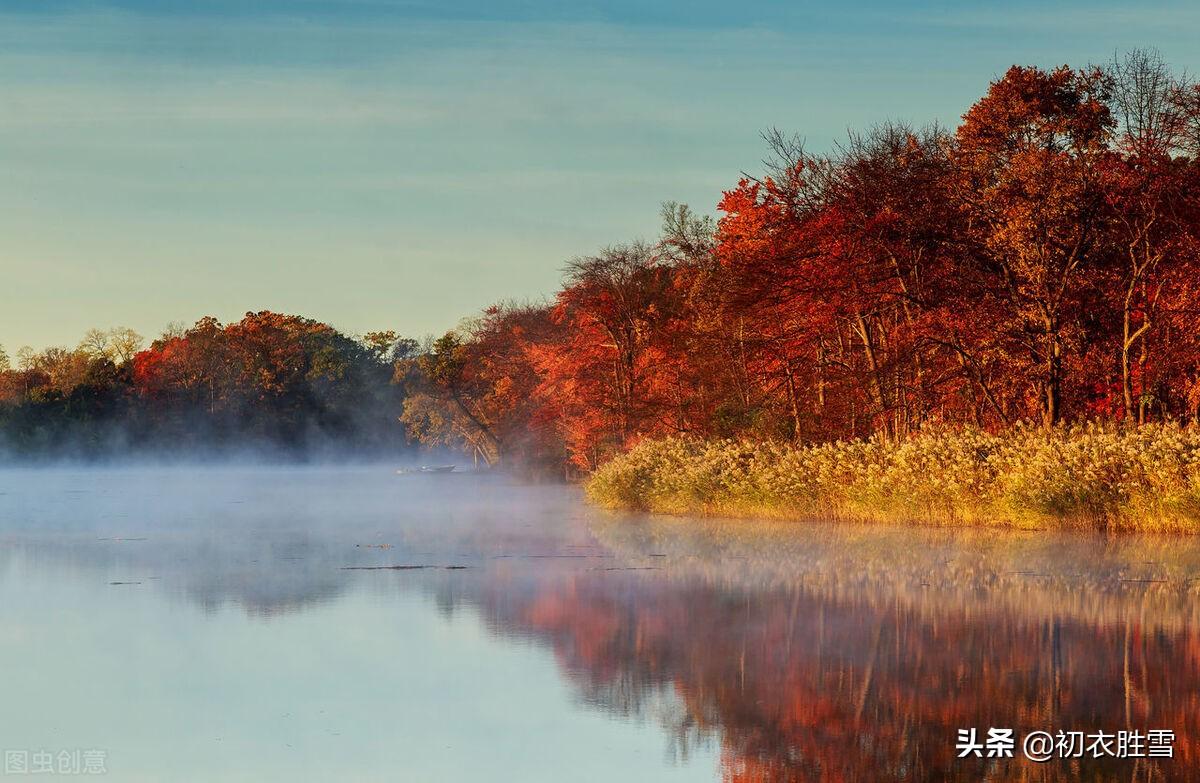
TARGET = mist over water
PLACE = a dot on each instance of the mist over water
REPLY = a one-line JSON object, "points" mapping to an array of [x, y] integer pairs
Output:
{"points": [[317, 623]]}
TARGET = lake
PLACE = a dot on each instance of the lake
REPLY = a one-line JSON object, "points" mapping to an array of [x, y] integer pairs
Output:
{"points": [[352, 624]]}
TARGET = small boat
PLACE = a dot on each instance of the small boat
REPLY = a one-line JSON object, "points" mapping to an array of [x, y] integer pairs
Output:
{"points": [[426, 469]]}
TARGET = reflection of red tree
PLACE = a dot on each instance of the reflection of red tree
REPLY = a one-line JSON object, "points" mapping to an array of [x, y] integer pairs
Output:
{"points": [[805, 688]]}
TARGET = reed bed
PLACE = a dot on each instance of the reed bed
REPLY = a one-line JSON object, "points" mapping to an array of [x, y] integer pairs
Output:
{"points": [[1097, 475]]}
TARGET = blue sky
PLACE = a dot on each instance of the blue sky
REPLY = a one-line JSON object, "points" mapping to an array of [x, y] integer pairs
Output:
{"points": [[389, 164]]}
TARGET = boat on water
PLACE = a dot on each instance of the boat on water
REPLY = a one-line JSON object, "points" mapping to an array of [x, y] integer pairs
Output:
{"points": [[426, 469]]}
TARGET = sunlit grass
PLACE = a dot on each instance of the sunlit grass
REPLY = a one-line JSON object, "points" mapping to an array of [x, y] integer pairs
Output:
{"points": [[1145, 478]]}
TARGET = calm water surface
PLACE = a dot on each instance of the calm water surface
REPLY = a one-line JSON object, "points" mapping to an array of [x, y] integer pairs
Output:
{"points": [[304, 624]]}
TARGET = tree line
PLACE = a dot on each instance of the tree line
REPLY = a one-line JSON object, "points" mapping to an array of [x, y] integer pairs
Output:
{"points": [[268, 384], [1037, 263]]}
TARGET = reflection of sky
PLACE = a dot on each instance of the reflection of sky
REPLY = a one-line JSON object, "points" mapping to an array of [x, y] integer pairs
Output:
{"points": [[239, 649], [366, 689], [379, 163]]}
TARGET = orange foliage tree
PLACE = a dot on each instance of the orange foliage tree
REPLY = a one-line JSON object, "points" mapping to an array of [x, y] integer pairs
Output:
{"points": [[1038, 263]]}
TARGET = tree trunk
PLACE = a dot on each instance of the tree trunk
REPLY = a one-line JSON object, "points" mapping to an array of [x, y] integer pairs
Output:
{"points": [[792, 401], [1052, 385]]}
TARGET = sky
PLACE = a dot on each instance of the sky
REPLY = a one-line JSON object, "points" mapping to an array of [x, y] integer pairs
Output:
{"points": [[385, 164]]}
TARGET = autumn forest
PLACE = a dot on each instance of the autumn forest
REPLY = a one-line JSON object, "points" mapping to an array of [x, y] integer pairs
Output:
{"points": [[1038, 263]]}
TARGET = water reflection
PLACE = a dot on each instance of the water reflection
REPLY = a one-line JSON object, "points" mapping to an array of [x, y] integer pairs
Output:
{"points": [[798, 652]]}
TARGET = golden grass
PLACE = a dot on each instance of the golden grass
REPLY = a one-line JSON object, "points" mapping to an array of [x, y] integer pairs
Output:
{"points": [[1096, 475]]}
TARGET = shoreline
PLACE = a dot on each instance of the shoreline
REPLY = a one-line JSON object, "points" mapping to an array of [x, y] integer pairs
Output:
{"points": [[934, 520]]}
